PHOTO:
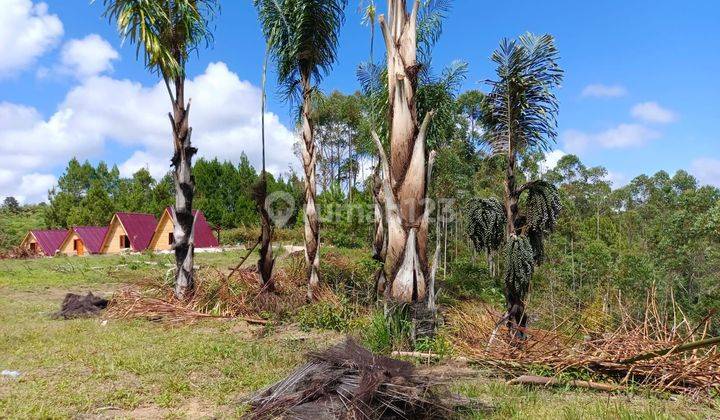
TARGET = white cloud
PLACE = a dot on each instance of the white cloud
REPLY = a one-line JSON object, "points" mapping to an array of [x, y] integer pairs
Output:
{"points": [[622, 136], [29, 188], [551, 160], [616, 179], [576, 141], [604, 91], [13, 116], [707, 170], [626, 135], [225, 116], [89, 56], [27, 31], [158, 166], [652, 112]]}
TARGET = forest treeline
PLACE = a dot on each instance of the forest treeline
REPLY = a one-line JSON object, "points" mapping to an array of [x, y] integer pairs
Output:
{"points": [[89, 194]]}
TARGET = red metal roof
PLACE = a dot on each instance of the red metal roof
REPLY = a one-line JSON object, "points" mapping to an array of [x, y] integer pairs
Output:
{"points": [[139, 228], [204, 237], [50, 240], [92, 237]]}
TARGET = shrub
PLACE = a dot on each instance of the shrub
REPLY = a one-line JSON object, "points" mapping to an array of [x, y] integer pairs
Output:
{"points": [[439, 344], [352, 277], [248, 235], [470, 280], [385, 333], [326, 315]]}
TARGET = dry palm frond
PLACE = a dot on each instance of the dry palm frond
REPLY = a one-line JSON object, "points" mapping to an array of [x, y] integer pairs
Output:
{"points": [[649, 353], [215, 296], [349, 381]]}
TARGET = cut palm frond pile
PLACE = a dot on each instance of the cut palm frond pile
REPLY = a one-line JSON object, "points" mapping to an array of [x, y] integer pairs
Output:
{"points": [[652, 352], [349, 381], [77, 306], [18, 253], [215, 296]]}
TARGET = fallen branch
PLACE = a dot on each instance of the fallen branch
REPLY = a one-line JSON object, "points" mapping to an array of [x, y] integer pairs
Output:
{"points": [[415, 354], [674, 350], [546, 381], [237, 267]]}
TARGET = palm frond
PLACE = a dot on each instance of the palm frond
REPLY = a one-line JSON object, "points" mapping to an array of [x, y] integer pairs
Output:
{"points": [[454, 75], [439, 95], [486, 223], [369, 75], [163, 32], [431, 15], [369, 12], [302, 35], [523, 103]]}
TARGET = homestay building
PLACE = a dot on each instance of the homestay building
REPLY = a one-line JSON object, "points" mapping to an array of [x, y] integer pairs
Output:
{"points": [[83, 240], [128, 232], [44, 242], [163, 238]]}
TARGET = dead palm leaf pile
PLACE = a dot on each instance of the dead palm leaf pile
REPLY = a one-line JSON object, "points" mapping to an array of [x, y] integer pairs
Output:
{"points": [[348, 381], [215, 296], [654, 352]]}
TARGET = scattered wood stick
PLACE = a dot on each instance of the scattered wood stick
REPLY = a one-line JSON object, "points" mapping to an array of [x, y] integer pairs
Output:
{"points": [[546, 381], [237, 267], [674, 349], [416, 354]]}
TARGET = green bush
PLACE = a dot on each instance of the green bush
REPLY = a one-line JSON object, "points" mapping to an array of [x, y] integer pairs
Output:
{"points": [[440, 345], [326, 316], [350, 276], [384, 333], [473, 280], [248, 235]]}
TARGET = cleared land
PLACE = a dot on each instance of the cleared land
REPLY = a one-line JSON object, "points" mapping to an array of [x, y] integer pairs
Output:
{"points": [[145, 369]]}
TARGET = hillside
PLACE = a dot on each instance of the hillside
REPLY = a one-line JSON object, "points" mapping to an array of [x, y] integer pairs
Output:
{"points": [[15, 225]]}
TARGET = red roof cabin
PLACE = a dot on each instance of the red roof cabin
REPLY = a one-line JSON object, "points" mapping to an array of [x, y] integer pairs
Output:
{"points": [[164, 237], [83, 240], [44, 242], [128, 232]]}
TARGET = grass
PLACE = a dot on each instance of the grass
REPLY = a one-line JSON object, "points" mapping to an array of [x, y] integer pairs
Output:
{"points": [[146, 369]]}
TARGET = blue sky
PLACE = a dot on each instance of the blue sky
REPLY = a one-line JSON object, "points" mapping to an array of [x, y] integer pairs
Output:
{"points": [[638, 95]]}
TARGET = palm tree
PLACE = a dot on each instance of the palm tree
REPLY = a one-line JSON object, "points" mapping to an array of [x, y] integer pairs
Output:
{"points": [[521, 117], [406, 91], [406, 174], [266, 261], [165, 32], [302, 37]]}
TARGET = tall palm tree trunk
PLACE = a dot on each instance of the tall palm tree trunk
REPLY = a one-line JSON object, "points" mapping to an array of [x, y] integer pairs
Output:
{"points": [[515, 305], [312, 224], [184, 191], [404, 177], [266, 262]]}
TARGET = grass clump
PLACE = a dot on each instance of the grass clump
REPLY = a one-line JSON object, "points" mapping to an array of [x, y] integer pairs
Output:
{"points": [[326, 315]]}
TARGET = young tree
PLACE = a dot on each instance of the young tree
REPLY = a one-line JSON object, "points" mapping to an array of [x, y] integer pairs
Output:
{"points": [[302, 37], [337, 118], [266, 261], [165, 32], [11, 204], [522, 111]]}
